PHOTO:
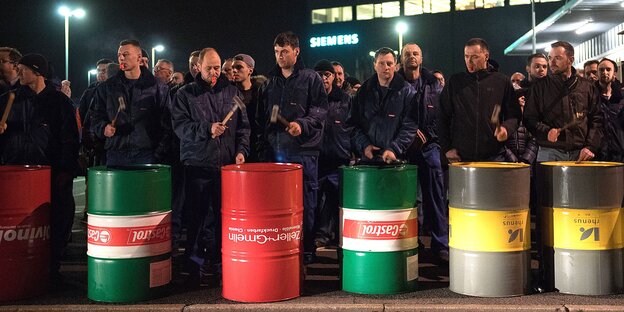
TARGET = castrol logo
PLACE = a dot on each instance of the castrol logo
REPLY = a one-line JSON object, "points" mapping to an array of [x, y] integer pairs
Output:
{"points": [[380, 230], [94, 235], [128, 236]]}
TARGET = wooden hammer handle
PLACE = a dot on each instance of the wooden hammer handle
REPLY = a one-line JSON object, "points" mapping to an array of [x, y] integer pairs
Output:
{"points": [[227, 117], [7, 109]]}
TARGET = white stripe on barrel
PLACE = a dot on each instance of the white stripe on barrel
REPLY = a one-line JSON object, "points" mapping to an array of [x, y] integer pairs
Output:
{"points": [[379, 230]]}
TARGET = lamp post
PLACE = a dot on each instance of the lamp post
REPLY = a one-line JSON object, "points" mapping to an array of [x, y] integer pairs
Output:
{"points": [[158, 48], [67, 13], [401, 28], [89, 74]]}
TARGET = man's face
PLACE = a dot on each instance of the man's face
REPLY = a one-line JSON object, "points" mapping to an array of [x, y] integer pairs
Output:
{"points": [[385, 66], [591, 72], [559, 61], [517, 78], [339, 76], [193, 68], [440, 78], [286, 56], [101, 72], [26, 75], [6, 65], [328, 79], [163, 71], [538, 68], [411, 57], [475, 58], [210, 67], [177, 78], [606, 72], [227, 70], [129, 57], [144, 62], [241, 71]]}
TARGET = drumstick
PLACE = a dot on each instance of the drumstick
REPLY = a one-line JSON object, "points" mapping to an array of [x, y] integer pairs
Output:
{"points": [[7, 109]]}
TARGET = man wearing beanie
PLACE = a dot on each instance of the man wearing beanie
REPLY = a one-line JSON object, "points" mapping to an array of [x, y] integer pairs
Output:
{"points": [[41, 130], [335, 152]]}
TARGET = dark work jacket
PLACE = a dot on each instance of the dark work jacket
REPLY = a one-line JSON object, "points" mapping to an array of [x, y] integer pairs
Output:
{"points": [[386, 122], [41, 130], [336, 148], [427, 99], [466, 106], [302, 99], [547, 107], [251, 103], [613, 112], [85, 105], [196, 107], [142, 126]]}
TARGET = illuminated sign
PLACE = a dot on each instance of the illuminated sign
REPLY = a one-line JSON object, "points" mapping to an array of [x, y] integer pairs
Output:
{"points": [[330, 41]]}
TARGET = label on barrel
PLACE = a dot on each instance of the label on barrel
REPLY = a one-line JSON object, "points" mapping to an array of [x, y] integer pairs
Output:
{"points": [[129, 236], [160, 273], [583, 229], [23, 235], [489, 231], [379, 230], [412, 267]]}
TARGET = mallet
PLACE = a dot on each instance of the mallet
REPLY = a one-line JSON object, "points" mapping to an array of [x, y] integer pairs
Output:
{"points": [[7, 109], [122, 107], [276, 117], [238, 104]]}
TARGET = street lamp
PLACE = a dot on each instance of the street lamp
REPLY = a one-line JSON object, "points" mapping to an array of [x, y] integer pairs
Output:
{"points": [[158, 48], [401, 28], [89, 74], [67, 13]]}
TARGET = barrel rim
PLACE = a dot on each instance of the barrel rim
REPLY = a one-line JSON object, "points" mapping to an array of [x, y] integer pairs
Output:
{"points": [[589, 164], [263, 167], [21, 168], [380, 167], [489, 165], [127, 169]]}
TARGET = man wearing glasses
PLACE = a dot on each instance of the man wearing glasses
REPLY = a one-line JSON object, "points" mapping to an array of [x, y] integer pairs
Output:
{"points": [[163, 70], [8, 69]]}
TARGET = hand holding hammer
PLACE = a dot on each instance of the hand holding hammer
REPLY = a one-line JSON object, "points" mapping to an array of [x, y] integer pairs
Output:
{"points": [[293, 128], [220, 127], [7, 109]]}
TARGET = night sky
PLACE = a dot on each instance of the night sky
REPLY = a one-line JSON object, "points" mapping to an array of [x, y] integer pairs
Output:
{"points": [[231, 27]]}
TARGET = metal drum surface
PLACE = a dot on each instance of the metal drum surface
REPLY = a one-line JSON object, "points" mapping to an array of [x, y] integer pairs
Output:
{"points": [[582, 225], [24, 231], [262, 214], [129, 232], [379, 229], [489, 229]]}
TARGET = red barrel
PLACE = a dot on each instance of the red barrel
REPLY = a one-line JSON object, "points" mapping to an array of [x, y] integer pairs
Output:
{"points": [[262, 213], [24, 231]]}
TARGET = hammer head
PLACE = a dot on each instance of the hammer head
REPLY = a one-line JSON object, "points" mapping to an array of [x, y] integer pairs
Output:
{"points": [[274, 113], [122, 103], [238, 102]]}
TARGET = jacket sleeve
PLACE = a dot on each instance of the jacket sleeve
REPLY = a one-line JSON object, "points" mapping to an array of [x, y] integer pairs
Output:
{"points": [[312, 123], [243, 130], [183, 124], [408, 128], [164, 119], [445, 118], [359, 138], [512, 113], [533, 113], [69, 137], [99, 115], [595, 119]]}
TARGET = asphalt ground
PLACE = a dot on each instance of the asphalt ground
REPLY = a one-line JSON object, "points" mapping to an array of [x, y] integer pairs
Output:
{"points": [[321, 290]]}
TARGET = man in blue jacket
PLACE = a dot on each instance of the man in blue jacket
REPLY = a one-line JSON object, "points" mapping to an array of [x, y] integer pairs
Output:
{"points": [[206, 144], [136, 133], [302, 101]]}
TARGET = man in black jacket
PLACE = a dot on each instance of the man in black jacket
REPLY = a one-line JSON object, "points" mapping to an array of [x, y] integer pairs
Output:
{"points": [[425, 151], [41, 130], [206, 145], [9, 57], [467, 128], [562, 110], [612, 105], [137, 132], [302, 101]]}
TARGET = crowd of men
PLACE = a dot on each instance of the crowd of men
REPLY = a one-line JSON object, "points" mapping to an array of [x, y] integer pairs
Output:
{"points": [[327, 119]]}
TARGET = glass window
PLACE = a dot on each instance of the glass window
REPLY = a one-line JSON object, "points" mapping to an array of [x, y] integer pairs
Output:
{"points": [[487, 4], [364, 12], [461, 5], [437, 6], [332, 15], [518, 2], [387, 9], [413, 7]]}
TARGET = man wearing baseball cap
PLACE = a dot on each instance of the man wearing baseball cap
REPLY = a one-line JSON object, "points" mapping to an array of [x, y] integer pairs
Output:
{"points": [[242, 70], [41, 130]]}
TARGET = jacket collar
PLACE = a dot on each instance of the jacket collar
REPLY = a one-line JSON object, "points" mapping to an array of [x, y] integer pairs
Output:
{"points": [[479, 75], [146, 78], [425, 74], [335, 94], [277, 71], [222, 82]]}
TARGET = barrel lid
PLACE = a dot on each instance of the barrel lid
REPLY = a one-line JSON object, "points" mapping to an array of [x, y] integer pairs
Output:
{"points": [[493, 165], [380, 167], [128, 168], [263, 167], [581, 164], [17, 168]]}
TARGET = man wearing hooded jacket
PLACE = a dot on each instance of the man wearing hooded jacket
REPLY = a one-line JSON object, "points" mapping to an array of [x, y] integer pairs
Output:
{"points": [[302, 101]]}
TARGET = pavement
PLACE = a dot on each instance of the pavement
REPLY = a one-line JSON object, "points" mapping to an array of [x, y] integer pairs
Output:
{"points": [[321, 290]]}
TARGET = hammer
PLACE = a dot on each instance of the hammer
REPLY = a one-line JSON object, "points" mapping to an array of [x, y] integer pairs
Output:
{"points": [[7, 109], [122, 107], [275, 117], [495, 119], [238, 104]]}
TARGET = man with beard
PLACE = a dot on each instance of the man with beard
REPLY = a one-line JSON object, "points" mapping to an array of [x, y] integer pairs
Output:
{"points": [[612, 107], [562, 111]]}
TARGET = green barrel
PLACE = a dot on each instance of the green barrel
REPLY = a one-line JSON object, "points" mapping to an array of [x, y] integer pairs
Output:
{"points": [[583, 233], [379, 229], [129, 232]]}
